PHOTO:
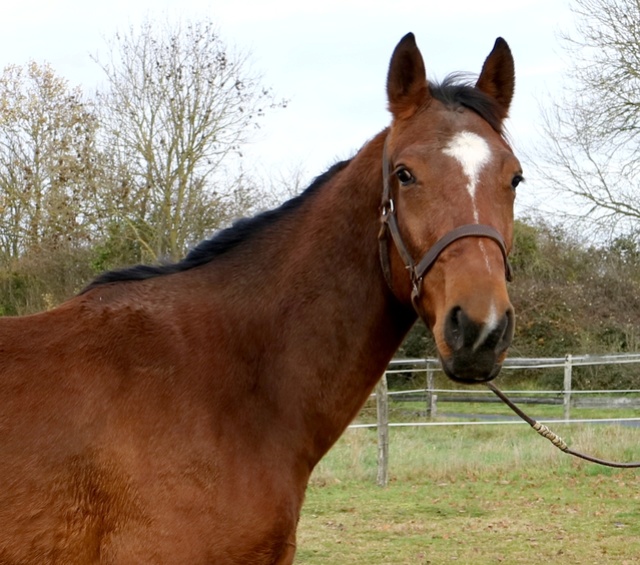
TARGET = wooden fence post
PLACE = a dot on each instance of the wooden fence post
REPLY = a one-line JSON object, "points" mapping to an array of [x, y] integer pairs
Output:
{"points": [[431, 397], [567, 387], [382, 405]]}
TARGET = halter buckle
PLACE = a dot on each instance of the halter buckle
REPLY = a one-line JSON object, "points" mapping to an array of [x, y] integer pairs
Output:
{"points": [[387, 208]]}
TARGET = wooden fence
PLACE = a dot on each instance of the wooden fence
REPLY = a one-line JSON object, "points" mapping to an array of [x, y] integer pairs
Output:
{"points": [[431, 395]]}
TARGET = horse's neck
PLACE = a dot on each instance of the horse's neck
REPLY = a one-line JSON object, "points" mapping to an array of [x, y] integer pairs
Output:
{"points": [[320, 297]]}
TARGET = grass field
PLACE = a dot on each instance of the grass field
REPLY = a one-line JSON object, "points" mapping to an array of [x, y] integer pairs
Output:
{"points": [[481, 495]]}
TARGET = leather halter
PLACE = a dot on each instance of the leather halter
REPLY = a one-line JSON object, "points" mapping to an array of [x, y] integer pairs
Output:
{"points": [[417, 271]]}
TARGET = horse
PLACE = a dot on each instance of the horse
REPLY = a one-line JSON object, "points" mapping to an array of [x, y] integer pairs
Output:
{"points": [[174, 413]]}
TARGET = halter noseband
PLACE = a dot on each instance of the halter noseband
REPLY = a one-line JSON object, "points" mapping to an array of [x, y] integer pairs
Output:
{"points": [[389, 225]]}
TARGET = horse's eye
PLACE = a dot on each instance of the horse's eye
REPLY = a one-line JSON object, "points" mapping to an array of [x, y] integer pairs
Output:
{"points": [[516, 181], [404, 176]]}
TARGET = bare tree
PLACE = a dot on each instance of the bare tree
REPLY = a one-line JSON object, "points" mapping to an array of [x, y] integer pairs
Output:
{"points": [[177, 110], [147, 169], [593, 131], [49, 174], [48, 161]]}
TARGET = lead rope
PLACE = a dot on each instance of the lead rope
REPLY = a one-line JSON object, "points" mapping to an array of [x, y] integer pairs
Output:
{"points": [[553, 437]]}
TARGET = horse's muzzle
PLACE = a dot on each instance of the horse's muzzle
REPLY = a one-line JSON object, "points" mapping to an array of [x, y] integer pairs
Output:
{"points": [[476, 349]]}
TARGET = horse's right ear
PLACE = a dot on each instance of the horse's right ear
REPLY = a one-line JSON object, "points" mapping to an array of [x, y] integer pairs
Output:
{"points": [[407, 87]]}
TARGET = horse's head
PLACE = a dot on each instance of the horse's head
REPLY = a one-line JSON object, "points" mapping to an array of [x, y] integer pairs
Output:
{"points": [[450, 180]]}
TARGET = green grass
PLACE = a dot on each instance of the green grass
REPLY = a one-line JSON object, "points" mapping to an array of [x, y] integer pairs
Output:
{"points": [[482, 495]]}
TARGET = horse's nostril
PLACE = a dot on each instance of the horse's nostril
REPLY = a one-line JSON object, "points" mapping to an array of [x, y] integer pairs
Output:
{"points": [[507, 334], [453, 329]]}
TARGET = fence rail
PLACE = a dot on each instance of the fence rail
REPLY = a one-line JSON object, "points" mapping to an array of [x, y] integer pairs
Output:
{"points": [[431, 395]]}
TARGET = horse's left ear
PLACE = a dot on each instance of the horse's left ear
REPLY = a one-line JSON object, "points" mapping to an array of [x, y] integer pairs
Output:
{"points": [[497, 78], [407, 87]]}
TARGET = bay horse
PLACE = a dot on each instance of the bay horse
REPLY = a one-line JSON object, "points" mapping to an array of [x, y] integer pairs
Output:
{"points": [[174, 414]]}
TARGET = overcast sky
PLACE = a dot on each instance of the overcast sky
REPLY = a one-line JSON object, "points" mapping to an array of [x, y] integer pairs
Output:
{"points": [[328, 58]]}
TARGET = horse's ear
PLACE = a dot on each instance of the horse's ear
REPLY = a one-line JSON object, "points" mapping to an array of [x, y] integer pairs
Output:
{"points": [[497, 78], [407, 86]]}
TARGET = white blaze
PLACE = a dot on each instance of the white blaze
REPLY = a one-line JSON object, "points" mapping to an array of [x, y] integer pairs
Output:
{"points": [[473, 153]]}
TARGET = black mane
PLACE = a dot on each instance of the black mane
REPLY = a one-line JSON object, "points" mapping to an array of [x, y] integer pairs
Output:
{"points": [[221, 243], [458, 90]]}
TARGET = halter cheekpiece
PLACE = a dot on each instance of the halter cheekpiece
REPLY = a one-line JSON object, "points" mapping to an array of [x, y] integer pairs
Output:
{"points": [[417, 271]]}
